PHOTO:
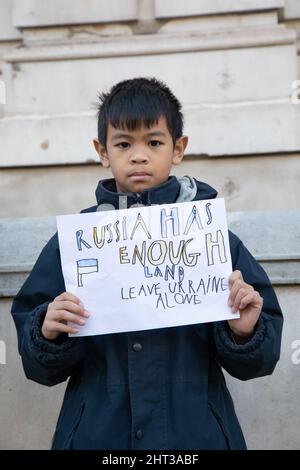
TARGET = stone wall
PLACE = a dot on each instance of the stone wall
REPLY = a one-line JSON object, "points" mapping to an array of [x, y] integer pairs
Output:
{"points": [[234, 64]]}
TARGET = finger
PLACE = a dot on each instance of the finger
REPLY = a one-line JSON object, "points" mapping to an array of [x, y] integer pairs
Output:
{"points": [[68, 296], [56, 327], [252, 298], [234, 290], [234, 276], [64, 315], [236, 287], [240, 295], [70, 306]]}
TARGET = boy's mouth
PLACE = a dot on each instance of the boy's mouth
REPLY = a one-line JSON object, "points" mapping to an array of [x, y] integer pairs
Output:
{"points": [[139, 176]]}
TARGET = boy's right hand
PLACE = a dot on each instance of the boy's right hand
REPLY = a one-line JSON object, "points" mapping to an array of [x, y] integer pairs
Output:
{"points": [[66, 307]]}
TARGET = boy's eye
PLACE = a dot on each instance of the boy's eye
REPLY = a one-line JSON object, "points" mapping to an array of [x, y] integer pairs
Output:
{"points": [[122, 145], [155, 143]]}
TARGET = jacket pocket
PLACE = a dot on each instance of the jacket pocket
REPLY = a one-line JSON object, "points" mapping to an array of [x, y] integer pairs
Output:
{"points": [[219, 422], [76, 422]]}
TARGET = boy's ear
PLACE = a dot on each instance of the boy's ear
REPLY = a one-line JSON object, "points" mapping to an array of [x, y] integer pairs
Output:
{"points": [[101, 150], [179, 149]]}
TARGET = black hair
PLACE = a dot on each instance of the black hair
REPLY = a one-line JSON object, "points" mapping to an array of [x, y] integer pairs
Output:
{"points": [[138, 102]]}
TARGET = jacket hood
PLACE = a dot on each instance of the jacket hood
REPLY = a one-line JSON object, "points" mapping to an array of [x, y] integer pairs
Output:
{"points": [[193, 190], [173, 190]]}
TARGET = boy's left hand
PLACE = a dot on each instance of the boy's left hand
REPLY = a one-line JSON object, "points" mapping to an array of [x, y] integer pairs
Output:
{"points": [[248, 302]]}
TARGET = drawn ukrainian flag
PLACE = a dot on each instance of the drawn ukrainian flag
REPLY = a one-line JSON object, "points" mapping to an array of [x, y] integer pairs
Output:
{"points": [[86, 266]]}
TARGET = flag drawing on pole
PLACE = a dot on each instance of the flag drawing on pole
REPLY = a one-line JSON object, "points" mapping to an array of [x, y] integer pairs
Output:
{"points": [[86, 266]]}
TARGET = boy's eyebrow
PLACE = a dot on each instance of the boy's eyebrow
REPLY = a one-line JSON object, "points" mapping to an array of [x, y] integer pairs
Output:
{"points": [[157, 134], [122, 135]]}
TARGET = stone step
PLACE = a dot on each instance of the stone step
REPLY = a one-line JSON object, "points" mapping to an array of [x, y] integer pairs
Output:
{"points": [[234, 129], [272, 237], [197, 76]]}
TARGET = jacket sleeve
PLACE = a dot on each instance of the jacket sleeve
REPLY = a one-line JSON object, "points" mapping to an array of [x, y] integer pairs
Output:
{"points": [[46, 362], [260, 354]]}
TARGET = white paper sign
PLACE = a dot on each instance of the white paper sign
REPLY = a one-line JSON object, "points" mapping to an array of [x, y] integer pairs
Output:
{"points": [[148, 267]]}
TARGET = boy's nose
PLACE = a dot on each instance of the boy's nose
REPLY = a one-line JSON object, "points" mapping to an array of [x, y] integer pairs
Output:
{"points": [[139, 157]]}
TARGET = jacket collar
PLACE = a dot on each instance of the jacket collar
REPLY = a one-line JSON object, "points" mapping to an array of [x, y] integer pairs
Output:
{"points": [[165, 193]]}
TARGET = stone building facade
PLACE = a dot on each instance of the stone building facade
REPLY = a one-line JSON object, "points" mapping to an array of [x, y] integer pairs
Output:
{"points": [[234, 65]]}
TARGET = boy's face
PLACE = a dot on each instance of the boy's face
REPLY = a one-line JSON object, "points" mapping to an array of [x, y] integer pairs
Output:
{"points": [[141, 158]]}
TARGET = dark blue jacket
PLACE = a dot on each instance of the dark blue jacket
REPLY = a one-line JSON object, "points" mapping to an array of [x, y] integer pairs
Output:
{"points": [[158, 389]]}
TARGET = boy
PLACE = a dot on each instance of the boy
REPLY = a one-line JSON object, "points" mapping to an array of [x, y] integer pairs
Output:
{"points": [[155, 389]]}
